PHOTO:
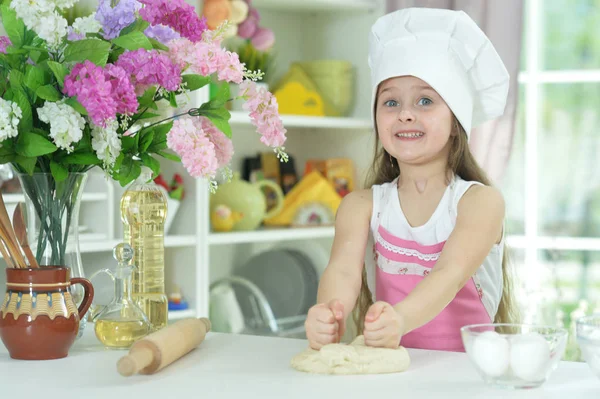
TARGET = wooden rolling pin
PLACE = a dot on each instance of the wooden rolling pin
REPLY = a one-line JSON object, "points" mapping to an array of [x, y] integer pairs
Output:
{"points": [[161, 348]]}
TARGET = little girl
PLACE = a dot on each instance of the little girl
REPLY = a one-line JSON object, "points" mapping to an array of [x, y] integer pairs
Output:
{"points": [[432, 220]]}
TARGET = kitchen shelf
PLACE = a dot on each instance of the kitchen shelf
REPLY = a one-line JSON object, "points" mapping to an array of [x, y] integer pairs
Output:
{"points": [[177, 241], [271, 235], [314, 5], [181, 314], [87, 197], [317, 122]]}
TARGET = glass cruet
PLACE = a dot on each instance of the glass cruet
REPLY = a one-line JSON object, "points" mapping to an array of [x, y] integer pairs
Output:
{"points": [[122, 321]]}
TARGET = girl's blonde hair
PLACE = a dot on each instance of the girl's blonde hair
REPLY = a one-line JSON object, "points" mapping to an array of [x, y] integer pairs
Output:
{"points": [[462, 163]]}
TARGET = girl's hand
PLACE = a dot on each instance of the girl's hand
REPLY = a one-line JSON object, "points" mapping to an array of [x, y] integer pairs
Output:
{"points": [[383, 326], [325, 324]]}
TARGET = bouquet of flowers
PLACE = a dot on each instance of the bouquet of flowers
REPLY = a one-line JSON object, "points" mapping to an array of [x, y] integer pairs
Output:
{"points": [[86, 95], [76, 97]]}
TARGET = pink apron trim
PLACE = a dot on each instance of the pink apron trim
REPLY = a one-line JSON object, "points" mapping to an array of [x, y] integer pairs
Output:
{"points": [[404, 258], [399, 242]]}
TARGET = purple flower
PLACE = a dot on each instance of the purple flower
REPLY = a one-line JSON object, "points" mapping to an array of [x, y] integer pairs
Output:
{"points": [[162, 33], [103, 92], [263, 39], [148, 68], [4, 43], [114, 20], [74, 36], [177, 14]]}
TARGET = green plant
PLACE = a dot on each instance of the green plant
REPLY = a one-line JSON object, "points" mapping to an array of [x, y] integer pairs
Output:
{"points": [[256, 60]]}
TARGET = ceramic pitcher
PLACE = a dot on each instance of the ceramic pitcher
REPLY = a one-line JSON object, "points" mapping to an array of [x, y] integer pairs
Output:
{"points": [[38, 317]]}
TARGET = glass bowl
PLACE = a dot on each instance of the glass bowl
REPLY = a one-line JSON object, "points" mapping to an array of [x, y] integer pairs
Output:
{"points": [[588, 338], [514, 355]]}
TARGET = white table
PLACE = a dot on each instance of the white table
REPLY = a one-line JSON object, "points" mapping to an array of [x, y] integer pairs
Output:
{"points": [[241, 366]]}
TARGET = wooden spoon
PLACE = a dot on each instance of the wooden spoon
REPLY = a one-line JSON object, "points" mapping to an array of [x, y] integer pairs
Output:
{"points": [[9, 237], [21, 232]]}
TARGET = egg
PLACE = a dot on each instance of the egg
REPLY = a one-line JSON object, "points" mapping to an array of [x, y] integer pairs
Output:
{"points": [[491, 353], [529, 356]]}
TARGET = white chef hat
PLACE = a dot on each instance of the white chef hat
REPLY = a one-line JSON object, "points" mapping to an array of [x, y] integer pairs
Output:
{"points": [[448, 51]]}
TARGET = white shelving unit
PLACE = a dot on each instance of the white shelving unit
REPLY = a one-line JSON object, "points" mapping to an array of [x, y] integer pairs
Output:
{"points": [[309, 122], [316, 5]]}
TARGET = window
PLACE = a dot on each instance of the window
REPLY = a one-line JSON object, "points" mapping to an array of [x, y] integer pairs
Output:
{"points": [[552, 185]]}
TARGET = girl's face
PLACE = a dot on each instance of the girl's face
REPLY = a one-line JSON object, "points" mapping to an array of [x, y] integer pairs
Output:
{"points": [[413, 121]]}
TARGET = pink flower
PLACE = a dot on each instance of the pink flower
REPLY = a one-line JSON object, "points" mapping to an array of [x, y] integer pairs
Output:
{"points": [[177, 14], [103, 92], [263, 109], [4, 43], [192, 144], [247, 28], [222, 143], [206, 58], [263, 39], [149, 68], [122, 90]]}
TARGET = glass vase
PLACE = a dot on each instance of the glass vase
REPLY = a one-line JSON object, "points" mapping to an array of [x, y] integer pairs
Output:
{"points": [[52, 219]]}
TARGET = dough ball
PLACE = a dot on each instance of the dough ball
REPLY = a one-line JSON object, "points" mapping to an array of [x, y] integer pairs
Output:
{"points": [[356, 358]]}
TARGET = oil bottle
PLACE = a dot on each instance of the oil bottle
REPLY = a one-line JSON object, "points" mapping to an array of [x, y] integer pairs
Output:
{"points": [[121, 322], [143, 213]]}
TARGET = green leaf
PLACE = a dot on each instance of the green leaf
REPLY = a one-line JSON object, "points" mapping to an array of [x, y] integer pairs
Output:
{"points": [[118, 163], [152, 163], [163, 129], [133, 41], [128, 171], [160, 137], [16, 78], [223, 95], [130, 143], [173, 99], [59, 172], [158, 45], [48, 93], [92, 50], [220, 118], [169, 156], [35, 77], [83, 158], [14, 27], [146, 140], [22, 101], [145, 115], [148, 97], [138, 26], [59, 70], [33, 145], [194, 82], [76, 105], [7, 154], [27, 163]]}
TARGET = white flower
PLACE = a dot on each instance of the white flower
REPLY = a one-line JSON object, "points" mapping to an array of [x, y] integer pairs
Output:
{"points": [[41, 17], [87, 24], [10, 115], [52, 28], [106, 143], [66, 124]]}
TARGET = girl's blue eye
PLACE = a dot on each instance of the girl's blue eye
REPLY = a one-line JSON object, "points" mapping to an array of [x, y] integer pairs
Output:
{"points": [[390, 103], [425, 101]]}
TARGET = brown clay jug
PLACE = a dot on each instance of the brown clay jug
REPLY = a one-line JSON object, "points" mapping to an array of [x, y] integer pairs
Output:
{"points": [[38, 317]]}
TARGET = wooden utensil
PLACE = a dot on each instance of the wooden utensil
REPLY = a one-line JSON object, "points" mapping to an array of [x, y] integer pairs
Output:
{"points": [[161, 348], [21, 233], [6, 255], [8, 235]]}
